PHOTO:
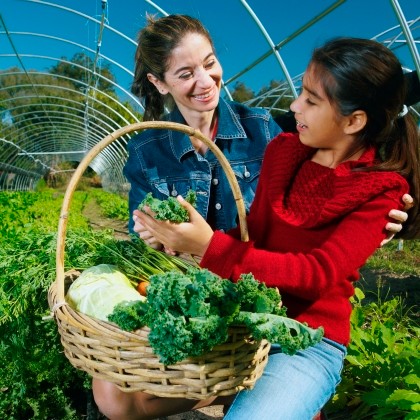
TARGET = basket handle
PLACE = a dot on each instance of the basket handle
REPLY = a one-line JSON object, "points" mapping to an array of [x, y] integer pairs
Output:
{"points": [[84, 163]]}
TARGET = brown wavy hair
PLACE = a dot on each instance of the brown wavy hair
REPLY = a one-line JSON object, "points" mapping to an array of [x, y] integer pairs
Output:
{"points": [[156, 41]]}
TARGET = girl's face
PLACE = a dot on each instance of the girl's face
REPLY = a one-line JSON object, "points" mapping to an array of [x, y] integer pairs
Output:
{"points": [[318, 122], [194, 75]]}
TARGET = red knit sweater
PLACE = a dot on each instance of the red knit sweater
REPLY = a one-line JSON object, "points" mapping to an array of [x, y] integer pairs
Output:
{"points": [[311, 228]]}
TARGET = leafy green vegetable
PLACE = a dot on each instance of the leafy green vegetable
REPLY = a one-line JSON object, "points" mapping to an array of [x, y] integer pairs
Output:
{"points": [[98, 289], [289, 333], [190, 313], [132, 257], [169, 209], [255, 296], [128, 315]]}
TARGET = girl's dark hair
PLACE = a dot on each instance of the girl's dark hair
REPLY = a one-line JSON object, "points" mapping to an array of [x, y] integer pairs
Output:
{"points": [[361, 74], [156, 41]]}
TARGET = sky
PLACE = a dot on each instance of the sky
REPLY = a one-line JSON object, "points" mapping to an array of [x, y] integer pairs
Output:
{"points": [[239, 41]]}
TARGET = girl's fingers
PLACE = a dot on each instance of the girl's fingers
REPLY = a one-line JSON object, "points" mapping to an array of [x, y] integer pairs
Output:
{"points": [[409, 201]]}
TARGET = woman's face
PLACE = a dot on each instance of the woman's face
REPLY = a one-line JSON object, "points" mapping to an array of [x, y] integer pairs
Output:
{"points": [[194, 75]]}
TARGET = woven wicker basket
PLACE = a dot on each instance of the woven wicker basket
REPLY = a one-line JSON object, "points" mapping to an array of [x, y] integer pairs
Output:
{"points": [[125, 358]]}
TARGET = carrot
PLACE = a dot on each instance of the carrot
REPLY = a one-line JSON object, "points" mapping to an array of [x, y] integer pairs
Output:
{"points": [[142, 286]]}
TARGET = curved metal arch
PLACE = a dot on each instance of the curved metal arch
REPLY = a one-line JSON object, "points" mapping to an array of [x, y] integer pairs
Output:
{"points": [[100, 132], [76, 12], [67, 41], [126, 92], [385, 37], [117, 150], [104, 118], [30, 156], [19, 116], [65, 88], [58, 105], [66, 124], [274, 48]]}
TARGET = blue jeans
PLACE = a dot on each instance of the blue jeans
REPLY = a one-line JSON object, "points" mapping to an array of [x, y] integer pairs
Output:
{"points": [[292, 387]]}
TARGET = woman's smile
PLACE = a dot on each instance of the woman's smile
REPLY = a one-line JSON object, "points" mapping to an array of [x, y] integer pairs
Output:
{"points": [[208, 96]]}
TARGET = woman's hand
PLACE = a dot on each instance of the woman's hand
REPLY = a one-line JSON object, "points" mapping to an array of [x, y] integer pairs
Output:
{"points": [[144, 234], [192, 237], [399, 216]]}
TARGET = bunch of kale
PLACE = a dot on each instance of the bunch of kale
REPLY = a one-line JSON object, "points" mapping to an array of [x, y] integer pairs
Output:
{"points": [[170, 208], [190, 313]]}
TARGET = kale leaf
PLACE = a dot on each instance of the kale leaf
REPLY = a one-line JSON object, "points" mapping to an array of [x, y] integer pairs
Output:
{"points": [[292, 335], [255, 296], [129, 315], [189, 313], [169, 209]]}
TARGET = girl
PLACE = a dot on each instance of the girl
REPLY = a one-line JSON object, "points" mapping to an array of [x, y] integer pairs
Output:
{"points": [[318, 214]]}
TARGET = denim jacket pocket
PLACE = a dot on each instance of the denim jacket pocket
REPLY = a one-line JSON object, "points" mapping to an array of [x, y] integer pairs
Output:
{"points": [[247, 175], [171, 187]]}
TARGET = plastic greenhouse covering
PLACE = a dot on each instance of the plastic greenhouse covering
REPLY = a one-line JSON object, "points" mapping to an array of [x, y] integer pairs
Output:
{"points": [[62, 91]]}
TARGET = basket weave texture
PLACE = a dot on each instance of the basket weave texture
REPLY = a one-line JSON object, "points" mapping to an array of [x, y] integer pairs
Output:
{"points": [[126, 359]]}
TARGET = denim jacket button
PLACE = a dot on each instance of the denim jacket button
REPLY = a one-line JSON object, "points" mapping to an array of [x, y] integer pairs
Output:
{"points": [[218, 206], [247, 174], [215, 181], [174, 193]]}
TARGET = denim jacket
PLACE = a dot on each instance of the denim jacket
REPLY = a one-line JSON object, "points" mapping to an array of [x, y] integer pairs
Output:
{"points": [[165, 163]]}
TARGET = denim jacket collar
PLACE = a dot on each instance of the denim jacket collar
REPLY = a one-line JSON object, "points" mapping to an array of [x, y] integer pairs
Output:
{"points": [[229, 128]]}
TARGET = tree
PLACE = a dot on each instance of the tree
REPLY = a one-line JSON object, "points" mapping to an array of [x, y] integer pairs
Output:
{"points": [[242, 93], [82, 69]]}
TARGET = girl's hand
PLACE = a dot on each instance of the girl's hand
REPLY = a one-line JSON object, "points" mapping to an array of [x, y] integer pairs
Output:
{"points": [[144, 234], [399, 216], [192, 237]]}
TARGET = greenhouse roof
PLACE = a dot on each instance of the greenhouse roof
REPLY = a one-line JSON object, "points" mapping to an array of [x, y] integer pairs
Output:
{"points": [[61, 93]]}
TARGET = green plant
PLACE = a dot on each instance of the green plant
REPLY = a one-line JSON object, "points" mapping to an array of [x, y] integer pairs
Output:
{"points": [[380, 376], [170, 208], [397, 257], [112, 205], [36, 380]]}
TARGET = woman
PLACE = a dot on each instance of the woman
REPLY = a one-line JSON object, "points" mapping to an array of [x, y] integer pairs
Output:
{"points": [[317, 216], [176, 61]]}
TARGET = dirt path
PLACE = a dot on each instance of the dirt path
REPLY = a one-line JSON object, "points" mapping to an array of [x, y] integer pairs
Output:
{"points": [[92, 212]]}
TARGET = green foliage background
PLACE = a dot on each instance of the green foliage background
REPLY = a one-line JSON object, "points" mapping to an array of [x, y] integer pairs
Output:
{"points": [[381, 372]]}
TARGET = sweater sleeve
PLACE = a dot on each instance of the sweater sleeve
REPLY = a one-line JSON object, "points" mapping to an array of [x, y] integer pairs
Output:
{"points": [[307, 275]]}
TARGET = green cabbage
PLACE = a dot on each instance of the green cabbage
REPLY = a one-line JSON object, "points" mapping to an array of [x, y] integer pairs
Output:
{"points": [[98, 289]]}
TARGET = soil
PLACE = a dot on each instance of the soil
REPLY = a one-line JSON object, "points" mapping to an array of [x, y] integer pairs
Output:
{"points": [[374, 283], [384, 285], [92, 212]]}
